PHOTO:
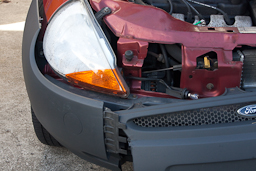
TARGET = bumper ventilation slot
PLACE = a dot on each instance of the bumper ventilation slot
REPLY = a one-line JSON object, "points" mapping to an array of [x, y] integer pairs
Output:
{"points": [[203, 116]]}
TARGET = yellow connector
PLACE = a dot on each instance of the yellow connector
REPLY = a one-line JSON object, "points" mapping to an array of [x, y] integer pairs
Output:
{"points": [[207, 63]]}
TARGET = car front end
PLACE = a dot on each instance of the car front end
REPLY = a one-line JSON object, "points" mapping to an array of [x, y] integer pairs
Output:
{"points": [[150, 82]]}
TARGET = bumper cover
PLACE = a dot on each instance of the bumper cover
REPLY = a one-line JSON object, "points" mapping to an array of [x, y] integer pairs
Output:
{"points": [[227, 146], [75, 121], [204, 148]]}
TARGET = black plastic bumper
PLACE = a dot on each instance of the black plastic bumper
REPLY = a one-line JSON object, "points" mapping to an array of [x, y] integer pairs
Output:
{"points": [[206, 148], [224, 147], [76, 121]]}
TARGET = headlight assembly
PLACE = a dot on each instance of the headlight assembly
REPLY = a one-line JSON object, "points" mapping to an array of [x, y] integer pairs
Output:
{"points": [[77, 49]]}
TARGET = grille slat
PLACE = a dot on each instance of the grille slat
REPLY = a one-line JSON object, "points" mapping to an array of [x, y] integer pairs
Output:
{"points": [[203, 116]]}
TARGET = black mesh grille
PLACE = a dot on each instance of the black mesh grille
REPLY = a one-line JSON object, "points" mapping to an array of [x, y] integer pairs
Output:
{"points": [[203, 116]]}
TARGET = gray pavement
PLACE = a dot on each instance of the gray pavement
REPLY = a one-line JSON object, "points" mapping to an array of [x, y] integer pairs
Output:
{"points": [[19, 147]]}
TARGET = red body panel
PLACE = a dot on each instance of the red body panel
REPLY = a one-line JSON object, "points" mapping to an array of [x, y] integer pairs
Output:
{"points": [[138, 25], [134, 66], [154, 25], [147, 23], [227, 75]]}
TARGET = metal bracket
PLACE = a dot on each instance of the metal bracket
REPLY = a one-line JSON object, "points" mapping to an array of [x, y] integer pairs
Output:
{"points": [[111, 131]]}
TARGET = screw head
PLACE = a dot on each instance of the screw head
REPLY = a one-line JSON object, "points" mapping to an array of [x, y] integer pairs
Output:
{"points": [[128, 55], [209, 86]]}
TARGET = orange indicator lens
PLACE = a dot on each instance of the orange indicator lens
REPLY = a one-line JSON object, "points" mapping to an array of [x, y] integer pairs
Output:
{"points": [[104, 81]]}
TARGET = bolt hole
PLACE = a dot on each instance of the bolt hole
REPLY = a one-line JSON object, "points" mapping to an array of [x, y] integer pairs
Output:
{"points": [[211, 28], [190, 76]]}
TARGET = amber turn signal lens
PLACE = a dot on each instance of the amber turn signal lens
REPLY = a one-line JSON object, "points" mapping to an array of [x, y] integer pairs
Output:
{"points": [[105, 81]]}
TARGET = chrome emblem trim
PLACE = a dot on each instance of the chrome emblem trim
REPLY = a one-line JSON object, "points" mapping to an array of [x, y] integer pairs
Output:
{"points": [[247, 111]]}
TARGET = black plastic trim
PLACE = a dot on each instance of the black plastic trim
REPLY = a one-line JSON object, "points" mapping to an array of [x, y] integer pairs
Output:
{"points": [[111, 130], [187, 105], [75, 121], [164, 149]]}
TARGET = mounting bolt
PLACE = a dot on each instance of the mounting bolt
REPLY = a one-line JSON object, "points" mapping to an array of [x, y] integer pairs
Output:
{"points": [[128, 55], [209, 86]]}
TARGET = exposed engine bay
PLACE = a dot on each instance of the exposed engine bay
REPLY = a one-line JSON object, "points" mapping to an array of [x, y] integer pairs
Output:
{"points": [[185, 63], [185, 49]]}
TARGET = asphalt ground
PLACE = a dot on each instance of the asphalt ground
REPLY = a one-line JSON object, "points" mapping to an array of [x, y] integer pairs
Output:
{"points": [[19, 146]]}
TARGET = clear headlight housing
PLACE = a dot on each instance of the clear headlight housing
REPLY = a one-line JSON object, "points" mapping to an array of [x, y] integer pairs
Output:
{"points": [[77, 49]]}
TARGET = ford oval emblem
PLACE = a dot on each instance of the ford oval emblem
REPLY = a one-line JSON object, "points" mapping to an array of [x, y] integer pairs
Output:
{"points": [[247, 111]]}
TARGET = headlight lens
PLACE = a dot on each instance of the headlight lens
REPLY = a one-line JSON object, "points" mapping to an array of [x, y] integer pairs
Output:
{"points": [[77, 49]]}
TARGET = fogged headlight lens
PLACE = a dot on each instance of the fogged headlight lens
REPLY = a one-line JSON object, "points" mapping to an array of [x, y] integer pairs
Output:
{"points": [[76, 48]]}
